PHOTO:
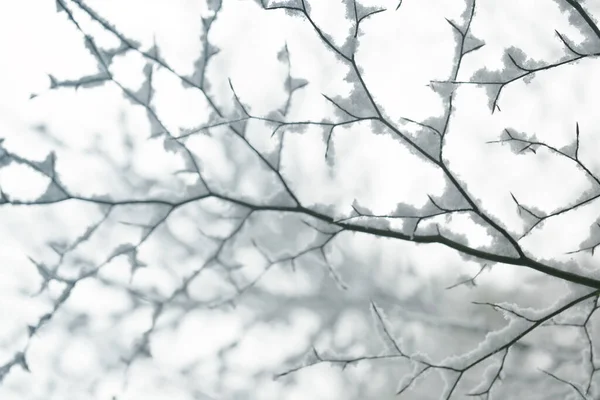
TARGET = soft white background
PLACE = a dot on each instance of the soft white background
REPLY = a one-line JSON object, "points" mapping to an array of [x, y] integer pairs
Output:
{"points": [[400, 52]]}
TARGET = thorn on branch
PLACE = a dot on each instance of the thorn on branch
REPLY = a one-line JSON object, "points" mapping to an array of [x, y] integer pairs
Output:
{"points": [[436, 205], [339, 107], [385, 329], [337, 279], [412, 379], [237, 99], [516, 64], [591, 248], [521, 207], [364, 17], [316, 354], [456, 28], [568, 45], [328, 141], [475, 48], [497, 307], [577, 141], [469, 281], [44, 272]]}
